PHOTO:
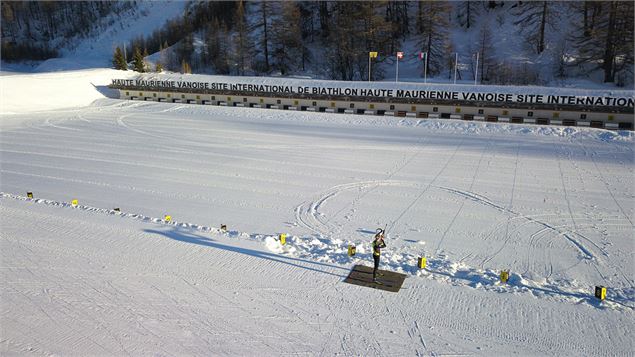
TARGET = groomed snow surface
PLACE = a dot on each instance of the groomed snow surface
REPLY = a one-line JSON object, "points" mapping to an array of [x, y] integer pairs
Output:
{"points": [[553, 205]]}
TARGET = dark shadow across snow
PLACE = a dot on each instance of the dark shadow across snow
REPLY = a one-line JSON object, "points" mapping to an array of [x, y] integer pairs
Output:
{"points": [[189, 237]]}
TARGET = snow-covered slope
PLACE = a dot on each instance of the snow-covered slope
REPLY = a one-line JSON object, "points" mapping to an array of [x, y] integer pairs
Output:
{"points": [[25, 93], [552, 204], [114, 30], [97, 52]]}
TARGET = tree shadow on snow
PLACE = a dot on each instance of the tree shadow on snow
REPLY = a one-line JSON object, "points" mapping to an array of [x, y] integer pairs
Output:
{"points": [[189, 237]]}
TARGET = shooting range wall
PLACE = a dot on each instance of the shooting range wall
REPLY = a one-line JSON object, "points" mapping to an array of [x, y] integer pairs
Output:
{"points": [[552, 110]]}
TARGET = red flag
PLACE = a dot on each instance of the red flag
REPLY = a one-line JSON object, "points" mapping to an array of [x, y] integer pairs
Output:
{"points": [[399, 55]]}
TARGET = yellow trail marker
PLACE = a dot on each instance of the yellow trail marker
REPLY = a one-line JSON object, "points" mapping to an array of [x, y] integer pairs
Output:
{"points": [[283, 238], [372, 54], [29, 194], [351, 250], [600, 292], [422, 263], [504, 276], [167, 218], [74, 203]]}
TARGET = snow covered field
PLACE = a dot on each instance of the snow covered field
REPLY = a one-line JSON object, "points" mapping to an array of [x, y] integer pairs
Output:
{"points": [[553, 205]]}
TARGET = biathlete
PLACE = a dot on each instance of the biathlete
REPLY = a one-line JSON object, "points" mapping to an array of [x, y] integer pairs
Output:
{"points": [[378, 243]]}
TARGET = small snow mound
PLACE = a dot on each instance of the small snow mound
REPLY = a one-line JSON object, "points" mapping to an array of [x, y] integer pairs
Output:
{"points": [[621, 135], [273, 244]]}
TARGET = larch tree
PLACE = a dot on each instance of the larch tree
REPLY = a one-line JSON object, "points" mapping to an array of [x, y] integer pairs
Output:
{"points": [[397, 17], [185, 48], [486, 52], [432, 33], [146, 64], [324, 14], [376, 33], [606, 40], [356, 29], [216, 47], [307, 29], [118, 61], [468, 12], [137, 61], [264, 17], [533, 19], [287, 38], [164, 51], [185, 67], [243, 48], [340, 46]]}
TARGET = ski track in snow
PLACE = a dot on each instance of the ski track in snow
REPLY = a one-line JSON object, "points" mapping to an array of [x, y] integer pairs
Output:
{"points": [[325, 250], [458, 211], [171, 308], [309, 216]]}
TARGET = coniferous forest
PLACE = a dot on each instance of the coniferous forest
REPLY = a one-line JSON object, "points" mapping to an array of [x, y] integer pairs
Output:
{"points": [[332, 39]]}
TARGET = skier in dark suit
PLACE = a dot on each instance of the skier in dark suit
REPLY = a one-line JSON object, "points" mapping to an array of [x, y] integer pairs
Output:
{"points": [[378, 243]]}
